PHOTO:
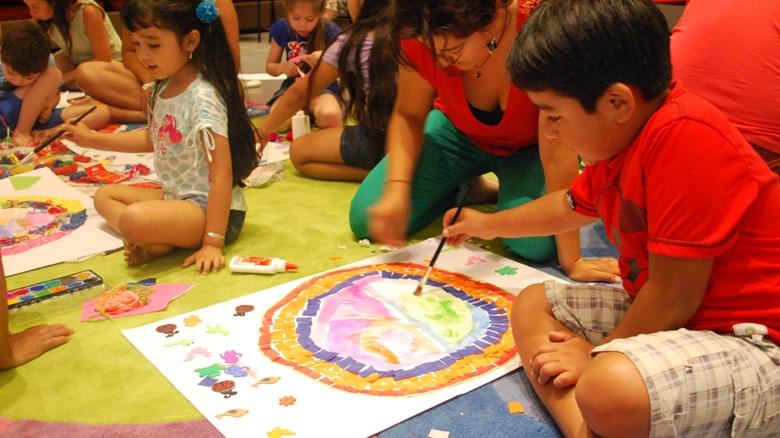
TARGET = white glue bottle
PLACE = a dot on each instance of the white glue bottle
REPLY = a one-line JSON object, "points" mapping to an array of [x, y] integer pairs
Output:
{"points": [[260, 265], [300, 124]]}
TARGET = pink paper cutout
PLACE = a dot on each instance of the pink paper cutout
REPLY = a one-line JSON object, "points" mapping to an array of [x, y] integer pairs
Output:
{"points": [[159, 300], [474, 260]]}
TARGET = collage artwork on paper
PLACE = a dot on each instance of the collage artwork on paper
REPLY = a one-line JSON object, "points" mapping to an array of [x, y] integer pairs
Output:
{"points": [[351, 350]]}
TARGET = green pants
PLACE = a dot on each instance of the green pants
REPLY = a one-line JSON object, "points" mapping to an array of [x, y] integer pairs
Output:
{"points": [[447, 160]]}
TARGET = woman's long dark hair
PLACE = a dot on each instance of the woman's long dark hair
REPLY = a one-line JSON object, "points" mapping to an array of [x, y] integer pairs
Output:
{"points": [[425, 19], [370, 104], [60, 20], [214, 61]]}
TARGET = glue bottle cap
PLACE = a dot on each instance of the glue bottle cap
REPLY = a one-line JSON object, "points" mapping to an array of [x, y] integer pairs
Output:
{"points": [[290, 266]]}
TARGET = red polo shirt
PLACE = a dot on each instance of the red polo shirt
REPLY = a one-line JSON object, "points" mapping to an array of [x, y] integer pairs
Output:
{"points": [[690, 186]]}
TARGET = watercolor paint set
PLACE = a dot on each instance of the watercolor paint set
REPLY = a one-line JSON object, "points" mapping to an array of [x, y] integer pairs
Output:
{"points": [[57, 287]]}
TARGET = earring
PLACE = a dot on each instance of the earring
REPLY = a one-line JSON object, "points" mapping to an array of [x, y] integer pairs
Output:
{"points": [[190, 56], [492, 44]]}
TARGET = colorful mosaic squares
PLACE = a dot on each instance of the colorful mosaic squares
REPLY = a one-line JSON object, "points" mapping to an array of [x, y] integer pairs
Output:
{"points": [[363, 330], [30, 221]]}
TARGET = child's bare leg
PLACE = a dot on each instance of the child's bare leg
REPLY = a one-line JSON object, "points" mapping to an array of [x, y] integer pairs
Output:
{"points": [[97, 119], [532, 321], [318, 155], [326, 111], [35, 98], [284, 126], [111, 83], [157, 227]]}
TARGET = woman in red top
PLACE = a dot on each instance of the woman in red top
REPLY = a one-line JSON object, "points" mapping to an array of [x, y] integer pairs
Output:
{"points": [[453, 55]]}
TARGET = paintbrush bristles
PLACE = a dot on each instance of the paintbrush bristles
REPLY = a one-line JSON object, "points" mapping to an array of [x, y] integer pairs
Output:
{"points": [[423, 280]]}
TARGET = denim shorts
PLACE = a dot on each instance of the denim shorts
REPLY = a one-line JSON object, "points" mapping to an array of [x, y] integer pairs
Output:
{"points": [[11, 105], [362, 147]]}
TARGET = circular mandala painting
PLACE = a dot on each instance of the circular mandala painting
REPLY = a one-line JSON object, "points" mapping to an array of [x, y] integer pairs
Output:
{"points": [[30, 221], [363, 330]]}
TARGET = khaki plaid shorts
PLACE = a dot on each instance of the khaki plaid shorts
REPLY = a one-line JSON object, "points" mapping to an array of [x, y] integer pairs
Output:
{"points": [[700, 383]]}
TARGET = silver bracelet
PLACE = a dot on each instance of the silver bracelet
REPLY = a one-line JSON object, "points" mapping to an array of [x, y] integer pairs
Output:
{"points": [[214, 235]]}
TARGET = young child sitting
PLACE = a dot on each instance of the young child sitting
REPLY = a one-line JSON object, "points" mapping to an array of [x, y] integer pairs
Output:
{"points": [[201, 136], [29, 86], [19, 348], [301, 37], [689, 346]]}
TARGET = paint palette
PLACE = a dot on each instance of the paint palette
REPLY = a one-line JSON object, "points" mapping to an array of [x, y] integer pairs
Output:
{"points": [[53, 288]]}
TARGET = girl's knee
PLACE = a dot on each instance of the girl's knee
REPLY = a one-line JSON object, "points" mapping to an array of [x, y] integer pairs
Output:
{"points": [[328, 117], [132, 223]]}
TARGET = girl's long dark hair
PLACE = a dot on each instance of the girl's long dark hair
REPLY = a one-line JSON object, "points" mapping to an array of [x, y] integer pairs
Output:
{"points": [[316, 39], [370, 104], [60, 20], [214, 61]]}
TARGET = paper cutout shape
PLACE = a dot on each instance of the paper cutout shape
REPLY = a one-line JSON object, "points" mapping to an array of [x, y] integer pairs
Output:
{"points": [[515, 407], [159, 300], [233, 413], [362, 330], [22, 182], [506, 270], [278, 432]]}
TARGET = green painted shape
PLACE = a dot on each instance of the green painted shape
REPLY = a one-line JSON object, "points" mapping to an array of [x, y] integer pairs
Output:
{"points": [[21, 182]]}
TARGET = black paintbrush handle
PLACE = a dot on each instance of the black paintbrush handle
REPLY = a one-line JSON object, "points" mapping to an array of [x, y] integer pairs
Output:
{"points": [[464, 196], [60, 131]]}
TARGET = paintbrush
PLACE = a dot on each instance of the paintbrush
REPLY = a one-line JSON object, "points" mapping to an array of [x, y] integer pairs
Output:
{"points": [[54, 136], [462, 195]]}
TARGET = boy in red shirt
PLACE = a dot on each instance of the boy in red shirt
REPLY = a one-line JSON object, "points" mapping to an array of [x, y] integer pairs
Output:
{"points": [[689, 346]]}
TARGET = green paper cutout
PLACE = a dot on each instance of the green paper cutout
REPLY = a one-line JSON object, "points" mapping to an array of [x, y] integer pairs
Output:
{"points": [[21, 182], [507, 270]]}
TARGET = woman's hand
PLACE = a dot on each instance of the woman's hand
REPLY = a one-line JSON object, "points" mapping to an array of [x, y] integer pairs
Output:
{"points": [[594, 269], [470, 223], [207, 259], [388, 218]]}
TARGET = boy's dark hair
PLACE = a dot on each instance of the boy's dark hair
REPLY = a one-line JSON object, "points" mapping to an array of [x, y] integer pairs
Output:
{"points": [[425, 19], [25, 48], [370, 104], [213, 59], [579, 47]]}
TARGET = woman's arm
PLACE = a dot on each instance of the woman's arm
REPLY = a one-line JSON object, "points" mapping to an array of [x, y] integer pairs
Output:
{"points": [[389, 217], [229, 19], [274, 66], [209, 257], [294, 99], [95, 29]]}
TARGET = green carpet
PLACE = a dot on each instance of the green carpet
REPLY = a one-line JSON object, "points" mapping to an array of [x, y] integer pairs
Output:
{"points": [[99, 378]]}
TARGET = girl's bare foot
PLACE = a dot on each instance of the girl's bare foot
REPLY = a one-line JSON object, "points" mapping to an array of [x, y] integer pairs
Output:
{"points": [[483, 191], [21, 140], [136, 255]]}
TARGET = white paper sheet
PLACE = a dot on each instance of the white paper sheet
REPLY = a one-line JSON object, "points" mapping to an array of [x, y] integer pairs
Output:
{"points": [[94, 236], [319, 410]]}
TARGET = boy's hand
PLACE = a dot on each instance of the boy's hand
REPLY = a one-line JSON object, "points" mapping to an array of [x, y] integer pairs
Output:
{"points": [[562, 360], [207, 259], [470, 223], [34, 341], [79, 133], [594, 269]]}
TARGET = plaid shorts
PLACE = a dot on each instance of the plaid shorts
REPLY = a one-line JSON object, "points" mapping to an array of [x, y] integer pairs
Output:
{"points": [[700, 383]]}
